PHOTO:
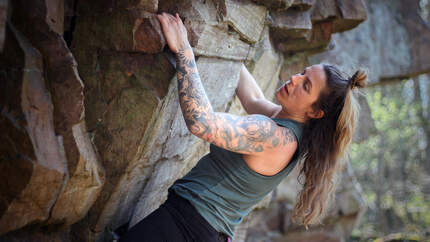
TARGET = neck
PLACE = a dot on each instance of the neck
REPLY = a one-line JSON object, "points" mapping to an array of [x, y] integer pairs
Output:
{"points": [[286, 115]]}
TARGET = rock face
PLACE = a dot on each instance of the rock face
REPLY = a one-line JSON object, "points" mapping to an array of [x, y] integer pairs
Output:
{"points": [[33, 154], [52, 171], [92, 131], [388, 53]]}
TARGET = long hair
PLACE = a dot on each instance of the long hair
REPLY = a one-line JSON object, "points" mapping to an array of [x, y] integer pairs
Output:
{"points": [[324, 142]]}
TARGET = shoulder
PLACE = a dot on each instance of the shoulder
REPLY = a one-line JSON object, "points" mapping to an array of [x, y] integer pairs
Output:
{"points": [[278, 136], [274, 160]]}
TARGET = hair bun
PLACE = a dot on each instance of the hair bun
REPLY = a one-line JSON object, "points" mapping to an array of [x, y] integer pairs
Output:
{"points": [[358, 80]]}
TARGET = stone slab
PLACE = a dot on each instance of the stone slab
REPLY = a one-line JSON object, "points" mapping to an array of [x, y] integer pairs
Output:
{"points": [[66, 89], [352, 13], [246, 18], [303, 5], [215, 41], [275, 4], [124, 94], [324, 10], [84, 185], [123, 30], [355, 49], [318, 40], [209, 12], [290, 24], [219, 78], [37, 158], [103, 7]]}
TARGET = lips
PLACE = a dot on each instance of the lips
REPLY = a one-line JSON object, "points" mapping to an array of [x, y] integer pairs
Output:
{"points": [[286, 89]]}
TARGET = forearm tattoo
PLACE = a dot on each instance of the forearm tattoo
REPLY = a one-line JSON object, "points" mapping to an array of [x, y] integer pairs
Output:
{"points": [[249, 134]]}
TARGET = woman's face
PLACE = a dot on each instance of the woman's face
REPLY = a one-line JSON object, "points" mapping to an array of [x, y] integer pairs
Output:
{"points": [[298, 93]]}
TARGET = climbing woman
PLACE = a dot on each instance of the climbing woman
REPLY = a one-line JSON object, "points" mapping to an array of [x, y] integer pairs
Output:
{"points": [[250, 155]]}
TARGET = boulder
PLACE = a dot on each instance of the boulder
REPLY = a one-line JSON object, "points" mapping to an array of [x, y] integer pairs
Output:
{"points": [[246, 18], [345, 15], [290, 24], [355, 49], [147, 5], [208, 12], [148, 35], [303, 5], [178, 150], [80, 169], [215, 41], [301, 28], [131, 30], [69, 15], [265, 68], [83, 186], [316, 41], [209, 35], [33, 164], [125, 94], [324, 10], [86, 173], [36, 235], [3, 18], [102, 7], [275, 4], [352, 13]]}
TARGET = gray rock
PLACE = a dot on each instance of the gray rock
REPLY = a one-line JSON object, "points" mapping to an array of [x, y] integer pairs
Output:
{"points": [[371, 46], [246, 18], [219, 78]]}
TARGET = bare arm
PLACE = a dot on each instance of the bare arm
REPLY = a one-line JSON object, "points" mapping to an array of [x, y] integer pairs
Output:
{"points": [[251, 96], [247, 135]]}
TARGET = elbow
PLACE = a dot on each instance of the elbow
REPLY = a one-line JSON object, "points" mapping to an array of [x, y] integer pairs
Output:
{"points": [[194, 126], [199, 128], [194, 129]]}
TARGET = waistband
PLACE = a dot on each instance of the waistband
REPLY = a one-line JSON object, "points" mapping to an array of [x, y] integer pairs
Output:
{"points": [[190, 218]]}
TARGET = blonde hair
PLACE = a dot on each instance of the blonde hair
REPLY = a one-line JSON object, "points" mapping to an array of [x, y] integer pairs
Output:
{"points": [[322, 160]]}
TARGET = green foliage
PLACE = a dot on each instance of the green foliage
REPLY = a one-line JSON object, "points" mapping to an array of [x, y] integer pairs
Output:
{"points": [[392, 166]]}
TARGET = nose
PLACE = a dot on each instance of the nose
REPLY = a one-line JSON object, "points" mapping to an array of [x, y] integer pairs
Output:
{"points": [[295, 79]]}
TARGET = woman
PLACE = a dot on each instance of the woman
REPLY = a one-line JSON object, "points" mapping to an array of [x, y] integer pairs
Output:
{"points": [[250, 155]]}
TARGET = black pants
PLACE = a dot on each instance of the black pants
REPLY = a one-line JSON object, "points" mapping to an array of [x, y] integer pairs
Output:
{"points": [[176, 220]]}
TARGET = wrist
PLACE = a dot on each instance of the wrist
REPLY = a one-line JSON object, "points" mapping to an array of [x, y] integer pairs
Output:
{"points": [[184, 45], [185, 52]]}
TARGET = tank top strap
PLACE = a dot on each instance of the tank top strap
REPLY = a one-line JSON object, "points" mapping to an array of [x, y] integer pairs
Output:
{"points": [[295, 126]]}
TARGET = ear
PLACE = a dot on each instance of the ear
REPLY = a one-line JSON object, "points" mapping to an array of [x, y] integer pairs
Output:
{"points": [[316, 114]]}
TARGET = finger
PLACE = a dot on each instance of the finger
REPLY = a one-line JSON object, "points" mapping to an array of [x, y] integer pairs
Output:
{"points": [[171, 18], [178, 18], [166, 18], [160, 18], [163, 21]]}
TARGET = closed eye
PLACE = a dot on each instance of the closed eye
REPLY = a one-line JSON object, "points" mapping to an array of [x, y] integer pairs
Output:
{"points": [[307, 84]]}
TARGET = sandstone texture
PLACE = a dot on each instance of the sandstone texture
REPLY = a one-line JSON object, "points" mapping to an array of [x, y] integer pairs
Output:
{"points": [[92, 133], [388, 53]]}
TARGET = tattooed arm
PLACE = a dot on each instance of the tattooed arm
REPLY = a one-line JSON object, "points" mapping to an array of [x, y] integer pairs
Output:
{"points": [[247, 135]]}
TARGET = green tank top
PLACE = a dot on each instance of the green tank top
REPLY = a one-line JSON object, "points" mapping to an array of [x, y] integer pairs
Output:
{"points": [[223, 188]]}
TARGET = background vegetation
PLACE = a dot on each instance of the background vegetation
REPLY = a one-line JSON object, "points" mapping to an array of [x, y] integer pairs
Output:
{"points": [[393, 165]]}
